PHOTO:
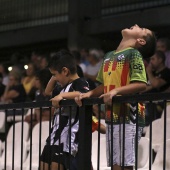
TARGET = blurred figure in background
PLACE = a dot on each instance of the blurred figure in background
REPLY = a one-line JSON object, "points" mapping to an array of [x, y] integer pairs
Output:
{"points": [[2, 86], [158, 81], [77, 55], [42, 78], [14, 91], [80, 66], [28, 81], [84, 54], [4, 72], [163, 44], [43, 61], [95, 61]]}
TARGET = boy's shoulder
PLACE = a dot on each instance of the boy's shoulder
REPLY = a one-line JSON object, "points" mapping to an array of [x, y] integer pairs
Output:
{"points": [[107, 55], [78, 80], [80, 84]]}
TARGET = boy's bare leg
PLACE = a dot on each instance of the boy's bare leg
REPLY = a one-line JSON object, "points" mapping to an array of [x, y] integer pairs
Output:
{"points": [[117, 167], [55, 166], [44, 166]]}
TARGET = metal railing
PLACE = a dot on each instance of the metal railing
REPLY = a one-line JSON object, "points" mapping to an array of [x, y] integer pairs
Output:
{"points": [[85, 133]]}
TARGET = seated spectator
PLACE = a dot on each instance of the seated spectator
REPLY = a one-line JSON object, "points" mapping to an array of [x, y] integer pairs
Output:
{"points": [[4, 72], [158, 81], [163, 44], [77, 55], [84, 54], [28, 81], [43, 61], [14, 91], [158, 73], [2, 86], [42, 78], [94, 60]]}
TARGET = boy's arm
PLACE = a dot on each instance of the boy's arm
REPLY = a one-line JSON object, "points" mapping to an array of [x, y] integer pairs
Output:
{"points": [[99, 90], [131, 88], [66, 95], [50, 86]]}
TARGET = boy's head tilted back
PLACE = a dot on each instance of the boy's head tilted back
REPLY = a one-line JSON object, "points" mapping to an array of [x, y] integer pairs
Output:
{"points": [[148, 49], [63, 59], [143, 39]]}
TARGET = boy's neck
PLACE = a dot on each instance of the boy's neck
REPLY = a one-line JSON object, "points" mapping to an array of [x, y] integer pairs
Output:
{"points": [[125, 43], [73, 77]]}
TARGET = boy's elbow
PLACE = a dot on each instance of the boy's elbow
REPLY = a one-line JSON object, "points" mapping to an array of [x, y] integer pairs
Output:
{"points": [[47, 93], [143, 87]]}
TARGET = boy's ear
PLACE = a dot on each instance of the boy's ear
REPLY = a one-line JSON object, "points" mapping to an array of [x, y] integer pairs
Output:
{"points": [[141, 41], [65, 70]]}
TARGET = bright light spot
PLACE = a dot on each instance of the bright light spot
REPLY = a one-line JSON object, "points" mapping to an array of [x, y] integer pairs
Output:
{"points": [[10, 68], [26, 67]]}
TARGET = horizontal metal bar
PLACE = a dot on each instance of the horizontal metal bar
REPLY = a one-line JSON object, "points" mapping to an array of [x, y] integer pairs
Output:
{"points": [[117, 99]]}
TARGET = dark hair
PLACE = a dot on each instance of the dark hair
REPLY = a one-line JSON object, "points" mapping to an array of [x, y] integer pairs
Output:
{"points": [[165, 42], [161, 55], [76, 54], [149, 48], [44, 76], [61, 59]]}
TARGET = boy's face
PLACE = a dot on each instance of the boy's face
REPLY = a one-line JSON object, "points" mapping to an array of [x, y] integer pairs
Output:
{"points": [[135, 32], [155, 62], [61, 78], [161, 46]]}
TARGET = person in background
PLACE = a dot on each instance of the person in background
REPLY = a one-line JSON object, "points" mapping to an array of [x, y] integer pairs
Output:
{"points": [[94, 59], [4, 72], [41, 79], [2, 86], [77, 55], [158, 82], [14, 91], [28, 81], [95, 127], [163, 44], [43, 61]]}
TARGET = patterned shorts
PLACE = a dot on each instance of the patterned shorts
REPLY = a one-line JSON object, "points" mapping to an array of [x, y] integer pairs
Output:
{"points": [[129, 153]]}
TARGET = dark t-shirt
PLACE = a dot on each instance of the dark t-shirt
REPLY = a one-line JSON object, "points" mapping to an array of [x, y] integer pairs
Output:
{"points": [[22, 94], [164, 74], [2, 89]]}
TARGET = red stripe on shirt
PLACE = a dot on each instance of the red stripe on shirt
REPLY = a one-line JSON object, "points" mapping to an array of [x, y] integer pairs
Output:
{"points": [[106, 66], [124, 74], [114, 65]]}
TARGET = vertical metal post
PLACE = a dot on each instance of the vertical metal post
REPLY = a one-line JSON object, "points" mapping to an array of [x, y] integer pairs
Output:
{"points": [[136, 139], [151, 111], [165, 122], [85, 135]]}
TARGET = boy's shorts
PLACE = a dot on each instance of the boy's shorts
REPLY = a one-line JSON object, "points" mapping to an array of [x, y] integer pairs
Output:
{"points": [[51, 154], [129, 153]]}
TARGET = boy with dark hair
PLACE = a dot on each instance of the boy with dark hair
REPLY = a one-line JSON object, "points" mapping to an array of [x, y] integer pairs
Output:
{"points": [[63, 69], [123, 72]]}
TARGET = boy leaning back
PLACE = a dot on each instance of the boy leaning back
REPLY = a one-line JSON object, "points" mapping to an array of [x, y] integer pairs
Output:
{"points": [[121, 73], [56, 151]]}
